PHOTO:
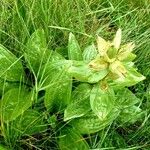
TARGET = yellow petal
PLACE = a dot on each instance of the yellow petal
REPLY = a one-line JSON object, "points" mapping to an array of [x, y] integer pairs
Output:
{"points": [[125, 51], [102, 45], [98, 64], [117, 39], [127, 47], [117, 68]]}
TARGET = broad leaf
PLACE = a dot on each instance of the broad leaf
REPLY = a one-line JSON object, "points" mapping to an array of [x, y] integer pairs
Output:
{"points": [[131, 78], [81, 91], [81, 102], [29, 123], [89, 53], [130, 115], [49, 69], [82, 72], [7, 85], [74, 51], [11, 68], [70, 139], [58, 85], [102, 101], [126, 98], [91, 123], [36, 53], [14, 103]]}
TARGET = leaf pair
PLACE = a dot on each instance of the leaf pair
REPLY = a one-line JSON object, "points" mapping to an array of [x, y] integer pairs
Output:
{"points": [[83, 72], [49, 69], [90, 123], [15, 98], [110, 60], [95, 109], [92, 109], [60, 85], [102, 101], [80, 102]]}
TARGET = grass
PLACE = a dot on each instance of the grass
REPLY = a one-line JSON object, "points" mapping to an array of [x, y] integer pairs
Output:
{"points": [[85, 18]]}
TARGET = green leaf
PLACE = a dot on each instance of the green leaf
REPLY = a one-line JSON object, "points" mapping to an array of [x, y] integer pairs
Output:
{"points": [[14, 103], [126, 98], [7, 85], [112, 52], [48, 70], [11, 68], [74, 51], [36, 53], [70, 139], [81, 91], [81, 102], [29, 123], [130, 57], [131, 78], [89, 53], [102, 101], [56, 57], [58, 95], [91, 123], [130, 115], [59, 85], [82, 72]]}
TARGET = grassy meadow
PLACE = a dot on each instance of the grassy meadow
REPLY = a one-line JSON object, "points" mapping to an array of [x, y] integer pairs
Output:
{"points": [[19, 19]]}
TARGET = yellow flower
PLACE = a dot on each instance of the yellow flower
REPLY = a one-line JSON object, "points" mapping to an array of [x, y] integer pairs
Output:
{"points": [[98, 64], [107, 49], [118, 69], [117, 40], [102, 46], [111, 55], [125, 51]]}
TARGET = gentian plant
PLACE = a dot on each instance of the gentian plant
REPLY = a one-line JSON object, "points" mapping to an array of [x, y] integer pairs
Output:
{"points": [[89, 89]]}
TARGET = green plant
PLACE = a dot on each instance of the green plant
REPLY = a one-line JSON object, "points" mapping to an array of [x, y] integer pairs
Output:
{"points": [[102, 74]]}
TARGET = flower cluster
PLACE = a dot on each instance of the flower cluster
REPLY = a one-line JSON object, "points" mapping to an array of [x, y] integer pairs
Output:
{"points": [[117, 59]]}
